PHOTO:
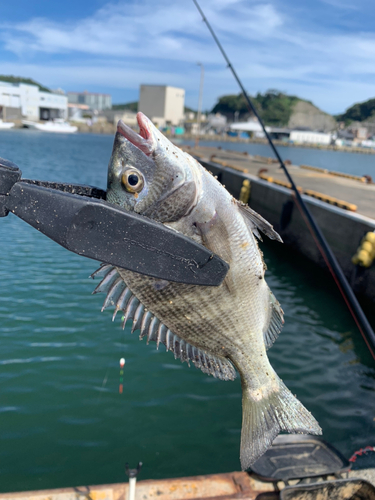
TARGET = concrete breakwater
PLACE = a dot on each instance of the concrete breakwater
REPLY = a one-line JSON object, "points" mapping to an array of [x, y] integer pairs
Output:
{"points": [[343, 228], [110, 128]]}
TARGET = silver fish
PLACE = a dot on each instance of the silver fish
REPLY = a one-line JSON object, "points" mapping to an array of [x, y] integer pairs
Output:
{"points": [[218, 329]]}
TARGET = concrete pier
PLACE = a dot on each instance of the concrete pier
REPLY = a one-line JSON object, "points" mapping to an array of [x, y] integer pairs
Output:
{"points": [[229, 486], [270, 196]]}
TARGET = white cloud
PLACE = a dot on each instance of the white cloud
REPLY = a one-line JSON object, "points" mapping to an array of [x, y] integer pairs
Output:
{"points": [[123, 45], [141, 30], [341, 4]]}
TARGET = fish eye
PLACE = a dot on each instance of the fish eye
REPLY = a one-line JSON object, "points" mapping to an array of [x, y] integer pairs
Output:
{"points": [[132, 180]]}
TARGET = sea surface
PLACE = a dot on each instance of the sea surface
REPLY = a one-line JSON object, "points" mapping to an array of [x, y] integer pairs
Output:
{"points": [[62, 420]]}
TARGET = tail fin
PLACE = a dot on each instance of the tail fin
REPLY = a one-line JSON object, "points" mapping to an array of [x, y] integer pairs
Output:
{"points": [[262, 421]]}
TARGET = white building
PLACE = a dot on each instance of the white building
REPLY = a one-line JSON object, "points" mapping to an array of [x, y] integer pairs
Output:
{"points": [[252, 125], [164, 105], [309, 137], [92, 99], [32, 103]]}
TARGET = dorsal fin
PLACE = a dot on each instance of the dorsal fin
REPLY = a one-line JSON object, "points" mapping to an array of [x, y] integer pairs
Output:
{"points": [[151, 327], [275, 324], [256, 221]]}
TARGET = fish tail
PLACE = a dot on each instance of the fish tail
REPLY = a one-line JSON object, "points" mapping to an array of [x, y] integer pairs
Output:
{"points": [[264, 416]]}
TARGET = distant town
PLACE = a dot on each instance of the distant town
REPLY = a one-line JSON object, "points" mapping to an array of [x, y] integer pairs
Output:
{"points": [[26, 103]]}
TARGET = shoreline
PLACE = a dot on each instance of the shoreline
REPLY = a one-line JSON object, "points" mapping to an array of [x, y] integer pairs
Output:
{"points": [[110, 129]]}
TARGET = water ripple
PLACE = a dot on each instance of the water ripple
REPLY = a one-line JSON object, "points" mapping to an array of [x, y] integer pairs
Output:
{"points": [[37, 359], [63, 420]]}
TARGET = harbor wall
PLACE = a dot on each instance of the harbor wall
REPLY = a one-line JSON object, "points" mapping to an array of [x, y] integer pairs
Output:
{"points": [[342, 229]]}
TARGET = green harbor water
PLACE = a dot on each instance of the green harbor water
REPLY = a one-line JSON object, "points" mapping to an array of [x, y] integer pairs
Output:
{"points": [[62, 419]]}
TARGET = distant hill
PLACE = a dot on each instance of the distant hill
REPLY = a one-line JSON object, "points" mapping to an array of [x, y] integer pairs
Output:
{"points": [[131, 106], [274, 107], [189, 110], [230, 104], [305, 114], [360, 112], [20, 79], [277, 109]]}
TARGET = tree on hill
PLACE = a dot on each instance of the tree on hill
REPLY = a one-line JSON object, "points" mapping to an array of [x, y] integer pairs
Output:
{"points": [[273, 106], [189, 110], [228, 105], [360, 112], [20, 79]]}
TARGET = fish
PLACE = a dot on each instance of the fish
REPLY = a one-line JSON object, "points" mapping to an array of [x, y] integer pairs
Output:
{"points": [[224, 330]]}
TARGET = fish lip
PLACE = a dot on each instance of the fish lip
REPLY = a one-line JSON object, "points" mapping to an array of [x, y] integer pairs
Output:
{"points": [[143, 140], [144, 129]]}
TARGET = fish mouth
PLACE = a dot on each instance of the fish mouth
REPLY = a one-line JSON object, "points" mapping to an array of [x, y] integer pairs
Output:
{"points": [[143, 140]]}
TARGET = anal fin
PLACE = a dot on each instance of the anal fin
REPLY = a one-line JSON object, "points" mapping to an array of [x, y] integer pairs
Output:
{"points": [[217, 366]]}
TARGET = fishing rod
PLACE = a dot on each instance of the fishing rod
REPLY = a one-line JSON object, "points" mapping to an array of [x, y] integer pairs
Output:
{"points": [[334, 267]]}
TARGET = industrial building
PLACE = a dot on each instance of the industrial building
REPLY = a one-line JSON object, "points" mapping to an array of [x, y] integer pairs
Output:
{"points": [[310, 137], [114, 115], [164, 105], [93, 100], [21, 100], [253, 127]]}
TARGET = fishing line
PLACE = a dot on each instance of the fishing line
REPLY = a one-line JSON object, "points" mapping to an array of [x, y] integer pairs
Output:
{"points": [[347, 302], [121, 385], [104, 383], [359, 453], [327, 254]]}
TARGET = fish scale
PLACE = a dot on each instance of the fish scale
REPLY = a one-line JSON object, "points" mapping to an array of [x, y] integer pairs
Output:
{"points": [[203, 314]]}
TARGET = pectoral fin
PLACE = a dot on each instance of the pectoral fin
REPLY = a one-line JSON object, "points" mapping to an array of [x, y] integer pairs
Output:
{"points": [[256, 221], [216, 238]]}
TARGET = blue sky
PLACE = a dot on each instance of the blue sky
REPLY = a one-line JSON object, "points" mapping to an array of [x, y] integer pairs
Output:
{"points": [[321, 50]]}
